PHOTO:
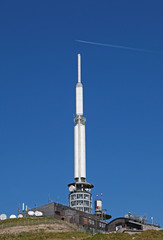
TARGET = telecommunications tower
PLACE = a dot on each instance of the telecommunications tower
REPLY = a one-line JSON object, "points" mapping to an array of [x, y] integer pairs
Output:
{"points": [[80, 196]]}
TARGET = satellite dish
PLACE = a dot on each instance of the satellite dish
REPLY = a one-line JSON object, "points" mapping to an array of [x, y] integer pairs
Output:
{"points": [[38, 214], [72, 188], [12, 216], [87, 189], [20, 216], [126, 216], [3, 216], [31, 213]]}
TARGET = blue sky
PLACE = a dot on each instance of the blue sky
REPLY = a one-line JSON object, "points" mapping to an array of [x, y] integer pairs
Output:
{"points": [[123, 102]]}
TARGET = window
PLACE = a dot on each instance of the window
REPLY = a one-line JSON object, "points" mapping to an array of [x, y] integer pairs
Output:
{"points": [[80, 202], [73, 203], [73, 197], [119, 226], [79, 196], [103, 225], [92, 222], [86, 203], [80, 208], [86, 209], [86, 196], [57, 212]]}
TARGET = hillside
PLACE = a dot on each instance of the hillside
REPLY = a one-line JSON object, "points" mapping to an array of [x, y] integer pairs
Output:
{"points": [[52, 229], [20, 225], [148, 235]]}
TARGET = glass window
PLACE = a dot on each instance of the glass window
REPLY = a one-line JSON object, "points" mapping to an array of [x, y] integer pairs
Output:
{"points": [[73, 203], [103, 225], [80, 202], [92, 222], [79, 196], [73, 196], [80, 208], [86, 203], [86, 196], [118, 227], [86, 209]]}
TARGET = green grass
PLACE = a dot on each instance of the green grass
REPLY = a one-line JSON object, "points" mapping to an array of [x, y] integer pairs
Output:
{"points": [[147, 235], [32, 221], [20, 221], [41, 235]]}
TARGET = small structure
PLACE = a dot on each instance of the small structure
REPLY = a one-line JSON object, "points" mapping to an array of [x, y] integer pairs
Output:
{"points": [[99, 211], [125, 224]]}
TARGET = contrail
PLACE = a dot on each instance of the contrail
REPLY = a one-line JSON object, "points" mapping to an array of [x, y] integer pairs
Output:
{"points": [[116, 46]]}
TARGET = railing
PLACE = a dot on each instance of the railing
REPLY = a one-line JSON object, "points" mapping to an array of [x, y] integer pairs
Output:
{"points": [[90, 230]]}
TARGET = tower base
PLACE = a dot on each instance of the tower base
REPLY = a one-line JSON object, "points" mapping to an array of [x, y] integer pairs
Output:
{"points": [[80, 196]]}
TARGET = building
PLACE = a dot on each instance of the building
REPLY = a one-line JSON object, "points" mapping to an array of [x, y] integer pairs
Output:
{"points": [[125, 224], [61, 212]]}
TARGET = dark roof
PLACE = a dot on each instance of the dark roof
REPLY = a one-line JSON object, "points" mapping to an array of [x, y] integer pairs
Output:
{"points": [[125, 219]]}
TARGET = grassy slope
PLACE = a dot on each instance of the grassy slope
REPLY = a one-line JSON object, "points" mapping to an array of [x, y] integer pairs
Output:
{"points": [[33, 221], [148, 235], [29, 220]]}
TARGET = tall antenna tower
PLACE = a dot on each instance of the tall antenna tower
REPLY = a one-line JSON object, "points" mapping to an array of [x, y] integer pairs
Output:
{"points": [[80, 196]]}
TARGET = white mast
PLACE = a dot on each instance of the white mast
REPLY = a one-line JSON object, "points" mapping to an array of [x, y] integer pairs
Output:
{"points": [[79, 68], [80, 196], [79, 132], [79, 91]]}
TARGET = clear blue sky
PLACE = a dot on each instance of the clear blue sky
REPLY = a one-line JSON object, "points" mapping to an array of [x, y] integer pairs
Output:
{"points": [[123, 102]]}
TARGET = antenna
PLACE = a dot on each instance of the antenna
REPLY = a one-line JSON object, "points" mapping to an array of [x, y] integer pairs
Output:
{"points": [[57, 199], [49, 199], [80, 186], [23, 207], [79, 68]]}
